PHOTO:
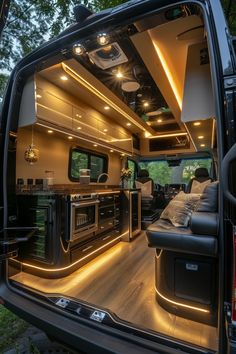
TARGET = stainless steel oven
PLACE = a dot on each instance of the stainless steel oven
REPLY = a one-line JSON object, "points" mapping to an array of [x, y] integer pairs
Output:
{"points": [[83, 215]]}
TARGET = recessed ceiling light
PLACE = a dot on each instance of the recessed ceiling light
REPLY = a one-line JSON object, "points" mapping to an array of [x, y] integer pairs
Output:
{"points": [[128, 124], [103, 38], [200, 137], [111, 150], [79, 128], [95, 145], [106, 108], [146, 104], [105, 130], [50, 131], [119, 75], [70, 137], [78, 49], [38, 96], [159, 120], [122, 155], [202, 145], [197, 124], [78, 115], [64, 78]]}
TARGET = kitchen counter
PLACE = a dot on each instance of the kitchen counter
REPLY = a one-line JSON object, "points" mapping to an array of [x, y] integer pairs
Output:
{"points": [[71, 189]]}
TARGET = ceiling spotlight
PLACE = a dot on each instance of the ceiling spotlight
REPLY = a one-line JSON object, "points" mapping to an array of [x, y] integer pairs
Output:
{"points": [[159, 120], [50, 131], [78, 49], [111, 150], [197, 124], [79, 128], [70, 137], [202, 145], [200, 137], [146, 104], [128, 124], [105, 130], [78, 115], [106, 108], [38, 96], [119, 75], [64, 78], [102, 38], [95, 145]]}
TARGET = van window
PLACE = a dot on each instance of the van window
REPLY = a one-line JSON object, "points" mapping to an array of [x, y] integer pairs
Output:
{"points": [[80, 159], [161, 172]]}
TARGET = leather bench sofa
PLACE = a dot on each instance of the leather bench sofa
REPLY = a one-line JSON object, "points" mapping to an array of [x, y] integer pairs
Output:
{"points": [[186, 261]]}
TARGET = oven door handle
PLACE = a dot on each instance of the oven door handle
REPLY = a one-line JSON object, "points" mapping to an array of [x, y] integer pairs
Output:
{"points": [[80, 204]]}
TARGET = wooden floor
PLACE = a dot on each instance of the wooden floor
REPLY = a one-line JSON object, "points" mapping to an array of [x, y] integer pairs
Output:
{"points": [[122, 280]]}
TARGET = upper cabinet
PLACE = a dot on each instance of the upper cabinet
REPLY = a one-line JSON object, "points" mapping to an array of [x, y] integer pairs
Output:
{"points": [[49, 105]]}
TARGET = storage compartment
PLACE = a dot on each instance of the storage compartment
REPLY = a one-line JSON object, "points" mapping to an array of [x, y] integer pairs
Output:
{"points": [[193, 280]]}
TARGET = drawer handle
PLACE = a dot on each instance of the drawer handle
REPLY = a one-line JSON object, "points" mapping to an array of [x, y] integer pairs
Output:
{"points": [[87, 248], [102, 213], [105, 238], [102, 227], [110, 211]]}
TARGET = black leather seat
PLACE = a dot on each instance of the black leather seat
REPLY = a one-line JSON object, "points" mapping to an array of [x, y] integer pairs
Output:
{"points": [[199, 181], [186, 261]]}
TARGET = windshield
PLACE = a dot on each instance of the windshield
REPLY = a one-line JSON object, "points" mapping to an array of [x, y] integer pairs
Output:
{"points": [[162, 173]]}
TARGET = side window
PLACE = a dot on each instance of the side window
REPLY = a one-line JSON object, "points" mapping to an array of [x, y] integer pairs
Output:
{"points": [[83, 159], [133, 167]]}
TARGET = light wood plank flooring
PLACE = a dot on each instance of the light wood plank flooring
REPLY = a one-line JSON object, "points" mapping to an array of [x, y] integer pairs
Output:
{"points": [[122, 280]]}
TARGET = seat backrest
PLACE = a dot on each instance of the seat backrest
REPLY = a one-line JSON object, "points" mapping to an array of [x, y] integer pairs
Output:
{"points": [[200, 180], [145, 183]]}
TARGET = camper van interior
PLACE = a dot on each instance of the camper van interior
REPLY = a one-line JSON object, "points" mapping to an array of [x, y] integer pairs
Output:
{"points": [[115, 174]]}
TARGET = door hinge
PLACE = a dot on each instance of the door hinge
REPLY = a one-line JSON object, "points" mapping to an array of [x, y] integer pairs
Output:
{"points": [[230, 82]]}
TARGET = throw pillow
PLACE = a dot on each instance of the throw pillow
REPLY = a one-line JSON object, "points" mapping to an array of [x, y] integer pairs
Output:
{"points": [[209, 198], [179, 210]]}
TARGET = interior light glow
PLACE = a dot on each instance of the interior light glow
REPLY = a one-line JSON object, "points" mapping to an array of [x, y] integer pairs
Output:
{"points": [[95, 145], [64, 78], [200, 137], [119, 75], [147, 134], [82, 138], [111, 150], [50, 131], [181, 304], [38, 96], [78, 49], [167, 135], [78, 115], [95, 91], [168, 74], [103, 38], [197, 124], [128, 124], [70, 137], [79, 128], [159, 120], [72, 264], [203, 145], [106, 108], [146, 104], [105, 130]]}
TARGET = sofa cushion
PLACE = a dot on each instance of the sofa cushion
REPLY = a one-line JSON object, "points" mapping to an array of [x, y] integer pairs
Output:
{"points": [[179, 210], [204, 223], [209, 199], [162, 234]]}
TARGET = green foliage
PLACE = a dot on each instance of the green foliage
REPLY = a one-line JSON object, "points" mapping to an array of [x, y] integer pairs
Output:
{"points": [[161, 173], [10, 328]]}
